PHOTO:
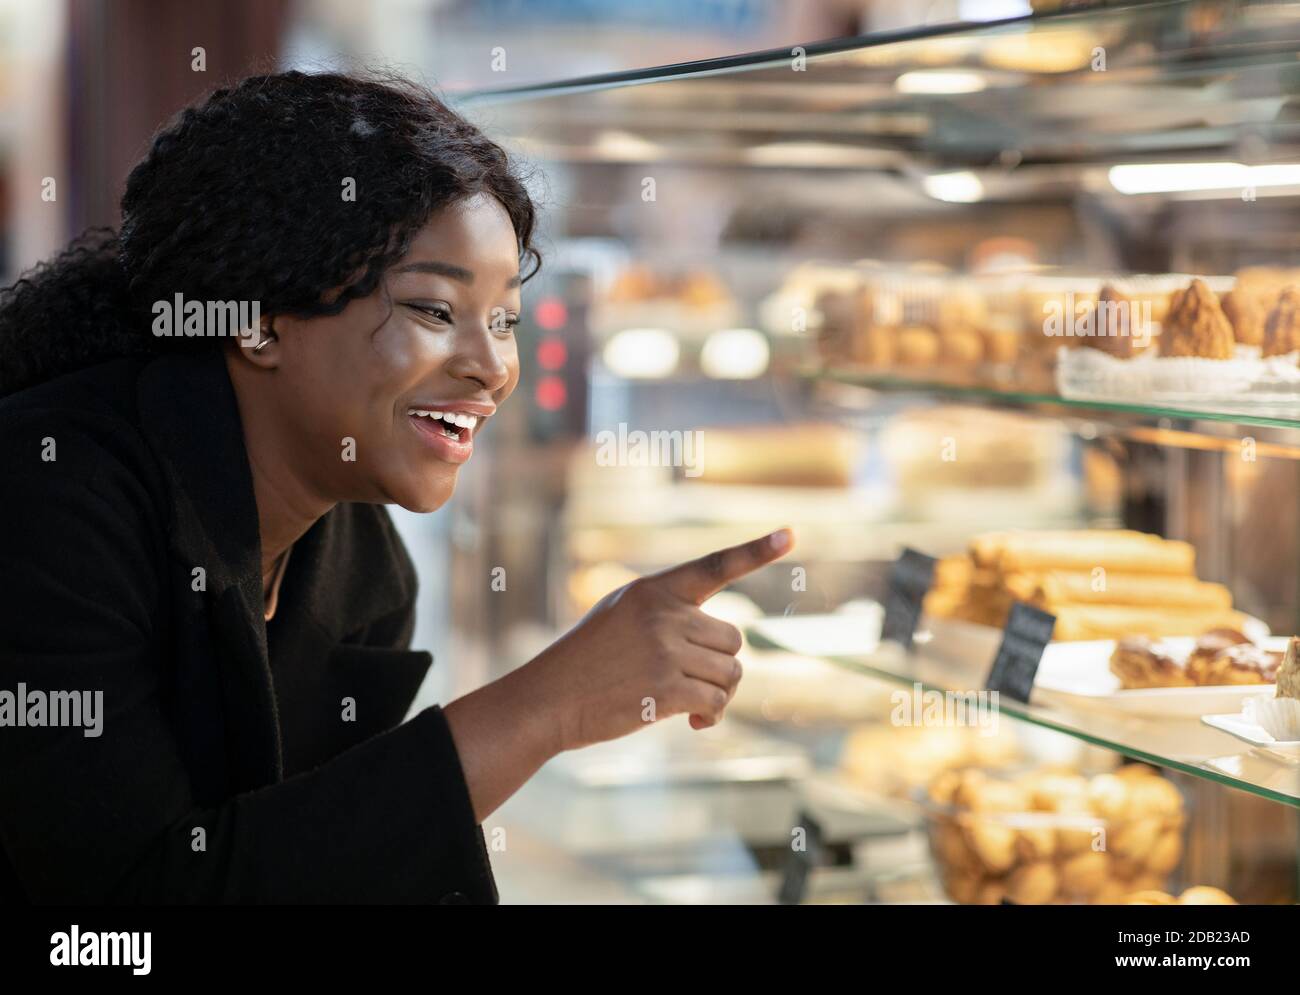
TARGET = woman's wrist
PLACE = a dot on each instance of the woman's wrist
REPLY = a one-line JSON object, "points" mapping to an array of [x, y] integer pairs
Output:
{"points": [[504, 732]]}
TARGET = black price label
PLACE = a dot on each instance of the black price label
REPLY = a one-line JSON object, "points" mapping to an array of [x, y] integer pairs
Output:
{"points": [[1026, 635], [909, 581], [805, 854]]}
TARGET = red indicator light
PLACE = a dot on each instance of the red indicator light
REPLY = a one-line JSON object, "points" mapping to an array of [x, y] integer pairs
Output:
{"points": [[550, 393], [550, 313], [551, 354]]}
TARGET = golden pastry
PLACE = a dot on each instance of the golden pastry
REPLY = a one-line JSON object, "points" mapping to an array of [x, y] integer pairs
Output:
{"points": [[873, 347], [993, 843], [991, 892], [1001, 342], [1086, 874], [1135, 839], [1204, 895], [1282, 329], [837, 315], [960, 346], [916, 345], [1033, 884], [1150, 898], [1179, 593], [1036, 842], [1118, 621], [1139, 662], [1085, 549], [1108, 796], [1166, 853], [1196, 325], [1239, 664], [1119, 326], [1246, 314]]}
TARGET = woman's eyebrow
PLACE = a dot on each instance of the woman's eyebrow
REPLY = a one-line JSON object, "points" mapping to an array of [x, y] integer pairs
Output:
{"points": [[452, 271], [441, 269]]}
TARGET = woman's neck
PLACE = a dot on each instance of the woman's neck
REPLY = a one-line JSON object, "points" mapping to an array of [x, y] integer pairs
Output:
{"points": [[287, 505]]}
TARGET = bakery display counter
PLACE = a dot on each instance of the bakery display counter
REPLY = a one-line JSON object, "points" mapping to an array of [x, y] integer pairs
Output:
{"points": [[974, 291], [946, 662]]}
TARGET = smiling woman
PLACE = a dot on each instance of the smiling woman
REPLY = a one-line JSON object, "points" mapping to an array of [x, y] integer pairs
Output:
{"points": [[252, 744]]}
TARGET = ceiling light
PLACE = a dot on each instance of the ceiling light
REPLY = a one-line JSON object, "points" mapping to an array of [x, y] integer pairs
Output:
{"points": [[938, 81], [642, 353], [1181, 177], [956, 188]]}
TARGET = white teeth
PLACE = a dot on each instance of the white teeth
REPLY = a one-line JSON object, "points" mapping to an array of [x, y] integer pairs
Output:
{"points": [[459, 419]]}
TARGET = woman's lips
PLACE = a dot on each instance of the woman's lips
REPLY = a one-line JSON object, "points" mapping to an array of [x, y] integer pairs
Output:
{"points": [[434, 435]]}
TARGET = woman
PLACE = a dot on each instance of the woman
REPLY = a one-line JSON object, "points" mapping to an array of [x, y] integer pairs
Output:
{"points": [[204, 611]]}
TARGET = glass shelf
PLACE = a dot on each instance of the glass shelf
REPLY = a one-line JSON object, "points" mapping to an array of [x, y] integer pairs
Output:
{"points": [[1034, 84], [1183, 744], [1015, 396]]}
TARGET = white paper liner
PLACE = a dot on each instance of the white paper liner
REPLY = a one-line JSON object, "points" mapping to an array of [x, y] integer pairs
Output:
{"points": [[1084, 373], [1279, 717]]}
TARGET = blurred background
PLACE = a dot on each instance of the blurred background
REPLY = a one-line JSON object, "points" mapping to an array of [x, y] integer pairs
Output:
{"points": [[826, 265]]}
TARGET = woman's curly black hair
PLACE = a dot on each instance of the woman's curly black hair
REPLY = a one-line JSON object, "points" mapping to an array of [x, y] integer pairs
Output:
{"points": [[242, 198]]}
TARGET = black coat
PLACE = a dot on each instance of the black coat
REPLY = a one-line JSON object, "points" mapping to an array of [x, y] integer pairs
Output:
{"points": [[213, 719]]}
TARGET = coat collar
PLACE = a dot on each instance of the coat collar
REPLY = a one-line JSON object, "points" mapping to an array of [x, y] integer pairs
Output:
{"points": [[350, 564]]}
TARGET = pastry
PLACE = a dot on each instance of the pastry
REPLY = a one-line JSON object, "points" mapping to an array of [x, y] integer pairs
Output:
{"points": [[1244, 663], [916, 345], [1112, 550], [1288, 673], [1220, 656], [1282, 329], [1203, 895], [1246, 314], [835, 333], [1082, 621], [1150, 898], [960, 346], [1140, 663], [1119, 325], [1196, 325], [1057, 586]]}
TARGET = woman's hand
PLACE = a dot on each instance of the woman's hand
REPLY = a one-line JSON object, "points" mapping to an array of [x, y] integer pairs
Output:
{"points": [[643, 653], [646, 651]]}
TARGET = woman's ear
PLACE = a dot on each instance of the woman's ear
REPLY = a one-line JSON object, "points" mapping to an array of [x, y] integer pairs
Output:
{"points": [[262, 346]]}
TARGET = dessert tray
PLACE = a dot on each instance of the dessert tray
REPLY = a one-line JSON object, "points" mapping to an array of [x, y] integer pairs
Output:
{"points": [[1247, 381], [1076, 675]]}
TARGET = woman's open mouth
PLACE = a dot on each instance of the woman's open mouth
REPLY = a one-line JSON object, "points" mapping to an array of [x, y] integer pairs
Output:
{"points": [[449, 433]]}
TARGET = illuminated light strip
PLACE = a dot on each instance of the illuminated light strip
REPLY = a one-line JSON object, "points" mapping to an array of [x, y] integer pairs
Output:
{"points": [[1183, 177]]}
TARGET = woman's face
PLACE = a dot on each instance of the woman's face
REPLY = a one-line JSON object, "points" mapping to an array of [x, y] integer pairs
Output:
{"points": [[383, 401]]}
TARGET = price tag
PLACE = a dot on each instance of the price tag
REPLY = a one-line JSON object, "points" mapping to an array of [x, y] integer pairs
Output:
{"points": [[909, 580], [1027, 633], [805, 854]]}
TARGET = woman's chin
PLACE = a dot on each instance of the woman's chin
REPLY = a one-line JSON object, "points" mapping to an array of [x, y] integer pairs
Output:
{"points": [[424, 496]]}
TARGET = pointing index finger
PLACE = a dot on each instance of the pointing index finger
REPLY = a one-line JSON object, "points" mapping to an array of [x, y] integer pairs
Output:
{"points": [[698, 580]]}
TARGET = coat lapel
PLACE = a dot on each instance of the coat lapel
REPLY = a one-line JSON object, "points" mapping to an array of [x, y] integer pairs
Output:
{"points": [[349, 570], [189, 414]]}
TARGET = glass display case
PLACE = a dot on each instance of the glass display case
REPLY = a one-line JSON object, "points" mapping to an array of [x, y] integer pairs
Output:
{"points": [[1022, 296]]}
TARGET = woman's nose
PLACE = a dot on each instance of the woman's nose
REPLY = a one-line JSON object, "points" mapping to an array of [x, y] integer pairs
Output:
{"points": [[478, 359]]}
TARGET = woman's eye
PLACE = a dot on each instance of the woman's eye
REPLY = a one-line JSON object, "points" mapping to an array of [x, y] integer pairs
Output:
{"points": [[439, 311]]}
